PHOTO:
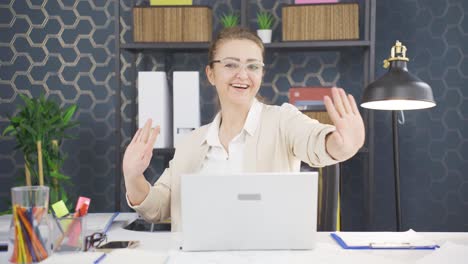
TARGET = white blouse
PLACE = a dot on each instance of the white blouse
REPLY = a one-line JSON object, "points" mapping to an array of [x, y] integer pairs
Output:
{"points": [[218, 160]]}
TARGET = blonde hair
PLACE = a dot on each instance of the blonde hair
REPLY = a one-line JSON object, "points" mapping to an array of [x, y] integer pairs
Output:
{"points": [[233, 33]]}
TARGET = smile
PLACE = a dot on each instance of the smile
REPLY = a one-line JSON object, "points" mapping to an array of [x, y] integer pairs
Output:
{"points": [[240, 86]]}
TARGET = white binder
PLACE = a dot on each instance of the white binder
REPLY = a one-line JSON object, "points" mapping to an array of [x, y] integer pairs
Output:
{"points": [[154, 102], [186, 92]]}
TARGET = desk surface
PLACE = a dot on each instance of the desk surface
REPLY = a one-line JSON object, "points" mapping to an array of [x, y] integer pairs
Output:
{"points": [[327, 251]]}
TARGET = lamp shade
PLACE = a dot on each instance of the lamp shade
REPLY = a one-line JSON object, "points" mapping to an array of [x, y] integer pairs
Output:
{"points": [[398, 89]]}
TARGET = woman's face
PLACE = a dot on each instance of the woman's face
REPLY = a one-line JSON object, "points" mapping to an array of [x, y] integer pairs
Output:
{"points": [[237, 72]]}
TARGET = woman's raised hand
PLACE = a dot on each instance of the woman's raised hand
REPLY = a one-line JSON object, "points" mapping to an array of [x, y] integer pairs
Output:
{"points": [[138, 154], [350, 134]]}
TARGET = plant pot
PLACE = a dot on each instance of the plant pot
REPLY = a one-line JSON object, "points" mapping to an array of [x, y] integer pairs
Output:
{"points": [[264, 35]]}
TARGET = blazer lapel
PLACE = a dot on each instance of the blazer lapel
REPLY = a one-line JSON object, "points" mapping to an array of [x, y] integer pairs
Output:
{"points": [[198, 157]]}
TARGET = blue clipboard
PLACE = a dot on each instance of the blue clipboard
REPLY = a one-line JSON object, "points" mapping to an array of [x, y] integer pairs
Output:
{"points": [[373, 246]]}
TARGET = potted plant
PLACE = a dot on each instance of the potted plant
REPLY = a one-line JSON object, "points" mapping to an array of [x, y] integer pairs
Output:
{"points": [[229, 20], [265, 22], [39, 129]]}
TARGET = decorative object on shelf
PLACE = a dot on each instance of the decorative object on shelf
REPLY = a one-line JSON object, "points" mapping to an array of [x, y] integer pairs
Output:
{"points": [[397, 90], [154, 102], [311, 95], [301, 2], [310, 101], [31, 239], [321, 22], [39, 128], [172, 24], [170, 2], [265, 22], [229, 20], [186, 103]]}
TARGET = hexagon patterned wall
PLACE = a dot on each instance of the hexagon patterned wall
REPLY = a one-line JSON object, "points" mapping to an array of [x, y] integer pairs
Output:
{"points": [[66, 49], [433, 148]]}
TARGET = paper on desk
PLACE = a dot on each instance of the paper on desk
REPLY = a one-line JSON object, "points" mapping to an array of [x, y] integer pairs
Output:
{"points": [[72, 258], [385, 238], [448, 253], [127, 255]]}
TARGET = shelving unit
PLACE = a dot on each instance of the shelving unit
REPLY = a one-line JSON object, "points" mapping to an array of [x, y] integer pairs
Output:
{"points": [[366, 43]]}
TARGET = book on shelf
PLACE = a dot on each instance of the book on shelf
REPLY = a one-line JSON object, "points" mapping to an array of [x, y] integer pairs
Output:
{"points": [[170, 2], [309, 100], [308, 94], [301, 2]]}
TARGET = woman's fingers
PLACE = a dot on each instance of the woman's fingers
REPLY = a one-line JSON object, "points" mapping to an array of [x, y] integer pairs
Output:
{"points": [[136, 136], [146, 131], [334, 116], [353, 105], [344, 99], [154, 135], [338, 102]]}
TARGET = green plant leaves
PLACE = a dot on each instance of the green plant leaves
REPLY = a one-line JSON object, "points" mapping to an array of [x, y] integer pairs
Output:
{"points": [[229, 20], [265, 20], [8, 129], [44, 120], [69, 113]]}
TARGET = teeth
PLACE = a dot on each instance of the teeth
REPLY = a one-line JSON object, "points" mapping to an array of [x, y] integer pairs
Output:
{"points": [[238, 85]]}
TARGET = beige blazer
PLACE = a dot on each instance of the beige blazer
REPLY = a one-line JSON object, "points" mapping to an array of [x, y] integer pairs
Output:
{"points": [[284, 137]]}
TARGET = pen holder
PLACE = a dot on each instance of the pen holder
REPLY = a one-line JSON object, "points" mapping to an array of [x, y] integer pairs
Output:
{"points": [[30, 229], [69, 233]]}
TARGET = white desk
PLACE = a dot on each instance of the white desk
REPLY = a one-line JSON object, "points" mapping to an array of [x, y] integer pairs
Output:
{"points": [[327, 251]]}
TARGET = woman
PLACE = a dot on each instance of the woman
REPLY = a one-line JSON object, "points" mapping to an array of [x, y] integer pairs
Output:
{"points": [[246, 135]]}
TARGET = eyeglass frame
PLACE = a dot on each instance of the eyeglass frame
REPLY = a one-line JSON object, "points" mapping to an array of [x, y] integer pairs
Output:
{"points": [[96, 242], [244, 65]]}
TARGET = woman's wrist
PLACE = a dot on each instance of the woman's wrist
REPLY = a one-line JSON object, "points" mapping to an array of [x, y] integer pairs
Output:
{"points": [[137, 189]]}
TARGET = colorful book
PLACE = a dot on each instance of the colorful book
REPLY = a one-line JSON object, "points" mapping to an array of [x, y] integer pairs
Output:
{"points": [[308, 94]]}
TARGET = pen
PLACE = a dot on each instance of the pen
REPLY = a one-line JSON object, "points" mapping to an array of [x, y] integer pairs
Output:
{"points": [[109, 223], [100, 258]]}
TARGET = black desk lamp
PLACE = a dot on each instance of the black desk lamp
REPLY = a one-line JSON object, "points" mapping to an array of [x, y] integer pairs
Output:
{"points": [[397, 90]]}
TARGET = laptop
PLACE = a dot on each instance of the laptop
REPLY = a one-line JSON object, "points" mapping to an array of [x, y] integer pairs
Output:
{"points": [[249, 211]]}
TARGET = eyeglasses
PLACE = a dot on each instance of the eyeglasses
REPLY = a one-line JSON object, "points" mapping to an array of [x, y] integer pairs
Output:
{"points": [[94, 240], [232, 66]]}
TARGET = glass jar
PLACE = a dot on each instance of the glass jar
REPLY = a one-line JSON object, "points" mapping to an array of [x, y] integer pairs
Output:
{"points": [[30, 229]]}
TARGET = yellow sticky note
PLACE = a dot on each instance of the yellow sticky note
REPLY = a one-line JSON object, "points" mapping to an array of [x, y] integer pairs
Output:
{"points": [[60, 209]]}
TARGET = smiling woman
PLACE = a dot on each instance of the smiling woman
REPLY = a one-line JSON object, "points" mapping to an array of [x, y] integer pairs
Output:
{"points": [[245, 136]]}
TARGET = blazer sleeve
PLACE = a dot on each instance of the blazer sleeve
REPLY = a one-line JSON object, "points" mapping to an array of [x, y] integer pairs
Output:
{"points": [[305, 137], [157, 204]]}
